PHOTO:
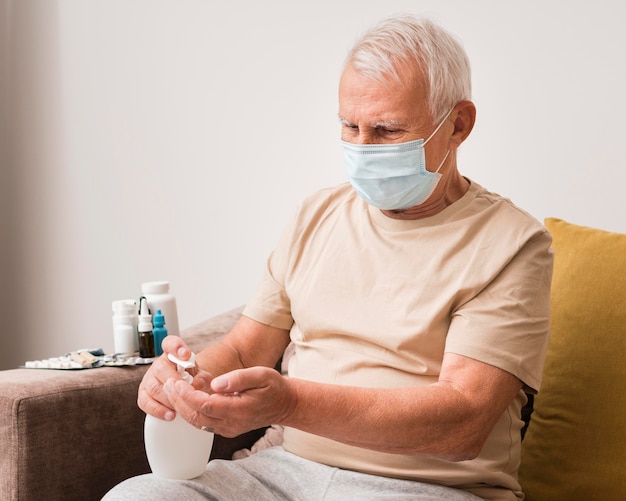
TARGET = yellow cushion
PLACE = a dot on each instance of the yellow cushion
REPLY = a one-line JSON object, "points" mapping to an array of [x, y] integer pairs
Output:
{"points": [[575, 447]]}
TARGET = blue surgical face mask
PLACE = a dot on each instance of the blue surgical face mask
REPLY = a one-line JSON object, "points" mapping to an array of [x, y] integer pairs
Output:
{"points": [[392, 176]]}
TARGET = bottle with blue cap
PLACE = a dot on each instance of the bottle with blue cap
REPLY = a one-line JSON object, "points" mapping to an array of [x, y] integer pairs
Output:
{"points": [[159, 331]]}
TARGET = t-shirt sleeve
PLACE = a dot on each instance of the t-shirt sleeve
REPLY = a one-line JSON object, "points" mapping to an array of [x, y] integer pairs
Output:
{"points": [[507, 324]]}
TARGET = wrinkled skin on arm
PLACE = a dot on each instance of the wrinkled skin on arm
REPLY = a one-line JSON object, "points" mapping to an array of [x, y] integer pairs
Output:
{"points": [[236, 390]]}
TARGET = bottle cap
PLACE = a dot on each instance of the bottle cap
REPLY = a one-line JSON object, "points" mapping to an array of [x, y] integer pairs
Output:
{"points": [[158, 319], [158, 287], [145, 319], [124, 306]]}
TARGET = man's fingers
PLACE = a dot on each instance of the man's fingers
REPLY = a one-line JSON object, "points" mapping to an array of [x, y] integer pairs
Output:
{"points": [[202, 381], [193, 405], [240, 380], [151, 397], [153, 407], [177, 347]]}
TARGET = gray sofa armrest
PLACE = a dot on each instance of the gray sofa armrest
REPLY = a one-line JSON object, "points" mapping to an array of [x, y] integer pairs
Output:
{"points": [[69, 434], [72, 435]]}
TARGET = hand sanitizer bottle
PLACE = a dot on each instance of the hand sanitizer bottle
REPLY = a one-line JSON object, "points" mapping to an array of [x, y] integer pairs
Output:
{"points": [[176, 449]]}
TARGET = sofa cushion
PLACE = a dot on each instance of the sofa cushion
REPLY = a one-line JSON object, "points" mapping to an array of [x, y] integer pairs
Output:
{"points": [[575, 445]]}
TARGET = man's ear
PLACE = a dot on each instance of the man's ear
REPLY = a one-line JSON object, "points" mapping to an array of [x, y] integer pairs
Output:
{"points": [[464, 117]]}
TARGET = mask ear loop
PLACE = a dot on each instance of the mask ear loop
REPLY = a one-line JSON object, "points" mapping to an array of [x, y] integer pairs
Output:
{"points": [[442, 162], [439, 126], [435, 132]]}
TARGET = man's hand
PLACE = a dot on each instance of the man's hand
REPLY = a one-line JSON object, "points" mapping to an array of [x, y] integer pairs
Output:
{"points": [[151, 398], [242, 400], [248, 344]]}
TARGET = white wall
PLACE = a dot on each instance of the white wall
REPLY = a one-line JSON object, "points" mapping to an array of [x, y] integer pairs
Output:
{"points": [[155, 139]]}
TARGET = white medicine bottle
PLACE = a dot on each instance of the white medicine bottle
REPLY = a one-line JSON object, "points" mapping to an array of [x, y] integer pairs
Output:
{"points": [[125, 338], [159, 298], [176, 449]]}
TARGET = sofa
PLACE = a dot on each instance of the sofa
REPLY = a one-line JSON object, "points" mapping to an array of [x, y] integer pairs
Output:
{"points": [[72, 435]]}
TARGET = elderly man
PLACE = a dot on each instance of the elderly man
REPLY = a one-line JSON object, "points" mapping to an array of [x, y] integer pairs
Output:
{"points": [[417, 303]]}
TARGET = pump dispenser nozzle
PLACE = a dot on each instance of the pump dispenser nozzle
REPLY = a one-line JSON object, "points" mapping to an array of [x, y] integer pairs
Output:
{"points": [[183, 365]]}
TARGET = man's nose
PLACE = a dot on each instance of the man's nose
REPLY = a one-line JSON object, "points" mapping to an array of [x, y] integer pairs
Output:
{"points": [[365, 137]]}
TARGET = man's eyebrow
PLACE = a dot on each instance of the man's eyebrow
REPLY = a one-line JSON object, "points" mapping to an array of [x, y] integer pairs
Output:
{"points": [[383, 124], [388, 124]]}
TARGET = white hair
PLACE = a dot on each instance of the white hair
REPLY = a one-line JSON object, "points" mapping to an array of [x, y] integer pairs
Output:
{"points": [[425, 47]]}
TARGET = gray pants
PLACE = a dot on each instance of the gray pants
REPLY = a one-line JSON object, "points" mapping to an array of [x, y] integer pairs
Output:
{"points": [[274, 474]]}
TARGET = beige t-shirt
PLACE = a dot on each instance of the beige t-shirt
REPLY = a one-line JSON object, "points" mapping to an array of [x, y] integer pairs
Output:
{"points": [[375, 302]]}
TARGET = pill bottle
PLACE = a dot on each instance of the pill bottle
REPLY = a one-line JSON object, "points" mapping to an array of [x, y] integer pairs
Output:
{"points": [[125, 340], [176, 449], [159, 298]]}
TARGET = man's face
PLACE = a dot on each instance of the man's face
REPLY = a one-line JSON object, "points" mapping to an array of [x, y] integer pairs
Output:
{"points": [[392, 112], [381, 113]]}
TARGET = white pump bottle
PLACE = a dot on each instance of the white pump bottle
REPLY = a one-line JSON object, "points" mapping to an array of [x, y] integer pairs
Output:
{"points": [[176, 449]]}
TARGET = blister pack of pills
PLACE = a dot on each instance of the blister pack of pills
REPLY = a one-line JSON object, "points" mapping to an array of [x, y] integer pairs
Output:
{"points": [[87, 359]]}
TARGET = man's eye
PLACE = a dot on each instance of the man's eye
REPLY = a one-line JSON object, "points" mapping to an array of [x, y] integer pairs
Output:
{"points": [[389, 132]]}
